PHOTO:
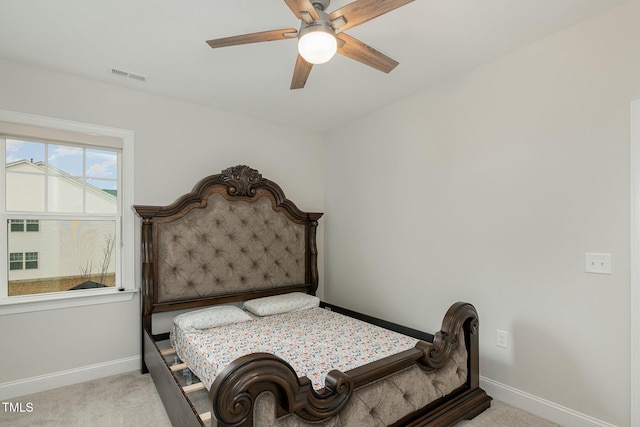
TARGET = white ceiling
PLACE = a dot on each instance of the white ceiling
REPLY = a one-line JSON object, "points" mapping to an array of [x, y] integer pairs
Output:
{"points": [[165, 40]]}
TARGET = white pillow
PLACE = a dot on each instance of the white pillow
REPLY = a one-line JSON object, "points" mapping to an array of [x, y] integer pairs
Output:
{"points": [[281, 303], [221, 315]]}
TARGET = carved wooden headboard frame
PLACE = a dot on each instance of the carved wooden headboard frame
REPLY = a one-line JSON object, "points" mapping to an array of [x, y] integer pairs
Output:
{"points": [[248, 198]]}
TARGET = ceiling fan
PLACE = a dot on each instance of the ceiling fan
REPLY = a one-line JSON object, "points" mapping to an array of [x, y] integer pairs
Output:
{"points": [[321, 35]]}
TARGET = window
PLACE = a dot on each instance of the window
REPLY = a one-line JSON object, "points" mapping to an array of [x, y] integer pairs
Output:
{"points": [[17, 224], [15, 261], [23, 261], [79, 185], [31, 260], [63, 198], [24, 225]]}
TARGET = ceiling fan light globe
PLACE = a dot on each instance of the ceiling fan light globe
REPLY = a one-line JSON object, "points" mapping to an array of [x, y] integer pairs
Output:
{"points": [[317, 47]]}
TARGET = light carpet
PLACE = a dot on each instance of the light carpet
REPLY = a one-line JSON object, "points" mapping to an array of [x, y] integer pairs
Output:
{"points": [[131, 400]]}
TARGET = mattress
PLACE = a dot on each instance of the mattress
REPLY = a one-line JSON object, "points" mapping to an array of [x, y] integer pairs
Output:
{"points": [[313, 341]]}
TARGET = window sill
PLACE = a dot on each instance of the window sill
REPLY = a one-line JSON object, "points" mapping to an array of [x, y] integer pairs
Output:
{"points": [[31, 303]]}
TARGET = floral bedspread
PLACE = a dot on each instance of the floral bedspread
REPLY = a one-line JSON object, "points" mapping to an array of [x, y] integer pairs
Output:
{"points": [[313, 341]]}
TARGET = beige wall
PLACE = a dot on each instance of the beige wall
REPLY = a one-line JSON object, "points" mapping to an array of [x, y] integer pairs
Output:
{"points": [[490, 188], [176, 144]]}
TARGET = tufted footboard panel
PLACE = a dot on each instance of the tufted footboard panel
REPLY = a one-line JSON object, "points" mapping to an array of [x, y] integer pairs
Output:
{"points": [[382, 402]]}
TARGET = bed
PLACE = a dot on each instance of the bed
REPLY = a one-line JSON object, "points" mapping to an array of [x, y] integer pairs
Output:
{"points": [[234, 241]]}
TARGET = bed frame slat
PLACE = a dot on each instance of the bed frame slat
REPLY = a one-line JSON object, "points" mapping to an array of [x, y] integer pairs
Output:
{"points": [[193, 387], [178, 367]]}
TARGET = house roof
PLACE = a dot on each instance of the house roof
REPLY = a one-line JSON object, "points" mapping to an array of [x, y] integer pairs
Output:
{"points": [[39, 167]]}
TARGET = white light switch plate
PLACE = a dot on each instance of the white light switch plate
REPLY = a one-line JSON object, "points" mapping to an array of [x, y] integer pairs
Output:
{"points": [[502, 338], [597, 263]]}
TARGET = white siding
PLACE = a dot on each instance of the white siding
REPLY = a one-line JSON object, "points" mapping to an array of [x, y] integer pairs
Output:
{"points": [[64, 248]]}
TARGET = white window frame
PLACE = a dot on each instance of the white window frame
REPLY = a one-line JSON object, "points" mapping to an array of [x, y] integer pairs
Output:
{"points": [[59, 300], [634, 297]]}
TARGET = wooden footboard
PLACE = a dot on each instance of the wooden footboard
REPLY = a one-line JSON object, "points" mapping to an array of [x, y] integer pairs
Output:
{"points": [[236, 388]]}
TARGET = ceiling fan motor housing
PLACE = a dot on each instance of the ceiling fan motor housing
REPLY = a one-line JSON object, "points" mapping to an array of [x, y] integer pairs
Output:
{"points": [[320, 4], [323, 21]]}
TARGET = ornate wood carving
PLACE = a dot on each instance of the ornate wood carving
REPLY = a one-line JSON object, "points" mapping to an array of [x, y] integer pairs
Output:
{"points": [[437, 354], [241, 180], [237, 181], [235, 389]]}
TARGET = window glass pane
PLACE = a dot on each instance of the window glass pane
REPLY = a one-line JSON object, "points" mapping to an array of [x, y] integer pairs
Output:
{"points": [[102, 196], [64, 159], [24, 151], [33, 225], [24, 192], [65, 194], [63, 256], [24, 162], [102, 163], [17, 225]]}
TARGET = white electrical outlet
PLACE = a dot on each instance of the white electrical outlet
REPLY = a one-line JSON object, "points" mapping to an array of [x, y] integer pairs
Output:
{"points": [[597, 263], [502, 338]]}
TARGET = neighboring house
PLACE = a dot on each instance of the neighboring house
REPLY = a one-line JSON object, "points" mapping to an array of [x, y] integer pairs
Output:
{"points": [[53, 249]]}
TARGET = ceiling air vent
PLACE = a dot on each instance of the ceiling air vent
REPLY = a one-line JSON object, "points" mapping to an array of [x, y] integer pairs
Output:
{"points": [[126, 74]]}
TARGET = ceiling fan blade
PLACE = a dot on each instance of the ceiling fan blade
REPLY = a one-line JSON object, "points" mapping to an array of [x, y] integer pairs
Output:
{"points": [[298, 6], [264, 36], [300, 73], [355, 49], [361, 11]]}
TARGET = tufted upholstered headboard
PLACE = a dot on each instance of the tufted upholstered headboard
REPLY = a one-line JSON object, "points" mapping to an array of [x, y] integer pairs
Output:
{"points": [[233, 237]]}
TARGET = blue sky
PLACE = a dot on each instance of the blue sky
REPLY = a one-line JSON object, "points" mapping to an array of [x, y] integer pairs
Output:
{"points": [[100, 167]]}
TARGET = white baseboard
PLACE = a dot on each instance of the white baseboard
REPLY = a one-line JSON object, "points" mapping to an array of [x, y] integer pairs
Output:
{"points": [[538, 406], [520, 399], [13, 389]]}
